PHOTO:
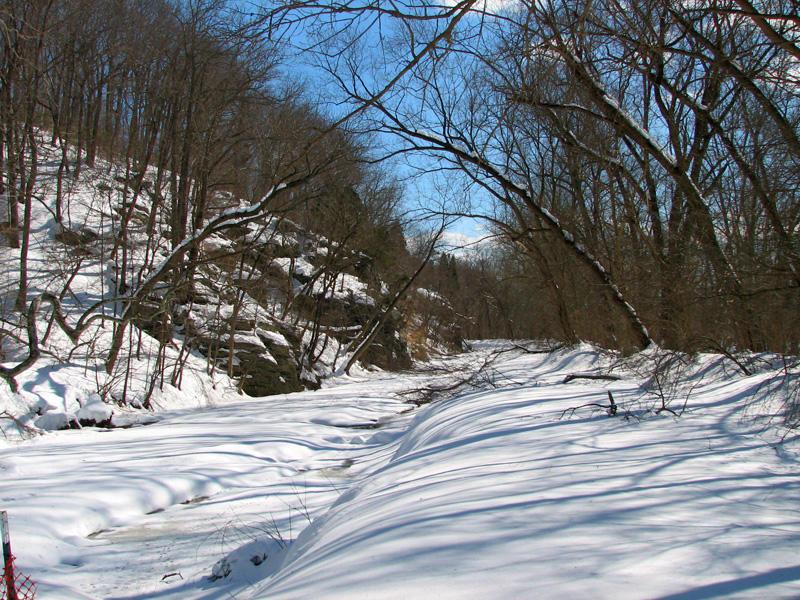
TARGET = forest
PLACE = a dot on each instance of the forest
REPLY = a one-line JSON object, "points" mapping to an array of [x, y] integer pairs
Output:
{"points": [[634, 169], [454, 299]]}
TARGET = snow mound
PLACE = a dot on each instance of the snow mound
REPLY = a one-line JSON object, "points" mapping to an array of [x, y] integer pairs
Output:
{"points": [[499, 494], [250, 562], [495, 489]]}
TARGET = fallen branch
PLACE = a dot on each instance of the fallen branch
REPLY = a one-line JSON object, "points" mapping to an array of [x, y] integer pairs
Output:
{"points": [[537, 351], [610, 408], [24, 429], [575, 376], [428, 393]]}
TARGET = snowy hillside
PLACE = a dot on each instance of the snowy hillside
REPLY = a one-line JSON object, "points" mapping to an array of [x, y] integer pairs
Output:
{"points": [[266, 308], [496, 489]]}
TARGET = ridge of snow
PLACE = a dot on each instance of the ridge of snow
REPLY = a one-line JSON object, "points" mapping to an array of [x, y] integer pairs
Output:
{"points": [[492, 492]]}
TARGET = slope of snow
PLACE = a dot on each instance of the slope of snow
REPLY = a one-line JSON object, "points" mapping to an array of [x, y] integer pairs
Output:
{"points": [[75, 261], [108, 513], [66, 379], [494, 492], [494, 495]]}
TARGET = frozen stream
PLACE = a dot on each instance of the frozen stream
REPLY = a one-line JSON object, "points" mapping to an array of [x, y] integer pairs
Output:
{"points": [[499, 492], [147, 511]]}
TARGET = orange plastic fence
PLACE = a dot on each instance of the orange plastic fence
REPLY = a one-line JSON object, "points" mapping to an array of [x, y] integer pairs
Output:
{"points": [[21, 587]]}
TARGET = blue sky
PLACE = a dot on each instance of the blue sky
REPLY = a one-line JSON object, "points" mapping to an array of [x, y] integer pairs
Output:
{"points": [[321, 90]]}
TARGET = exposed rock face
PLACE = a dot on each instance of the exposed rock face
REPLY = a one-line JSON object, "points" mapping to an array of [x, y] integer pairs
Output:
{"points": [[261, 357], [277, 375], [342, 316], [271, 304], [277, 319]]}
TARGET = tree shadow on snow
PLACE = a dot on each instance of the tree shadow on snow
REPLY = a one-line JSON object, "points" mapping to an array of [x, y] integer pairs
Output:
{"points": [[724, 589]]}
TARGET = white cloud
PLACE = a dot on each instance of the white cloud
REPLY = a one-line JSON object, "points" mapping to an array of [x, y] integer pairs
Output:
{"points": [[455, 242]]}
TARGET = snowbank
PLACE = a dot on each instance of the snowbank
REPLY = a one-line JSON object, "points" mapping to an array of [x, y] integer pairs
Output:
{"points": [[494, 490], [494, 495]]}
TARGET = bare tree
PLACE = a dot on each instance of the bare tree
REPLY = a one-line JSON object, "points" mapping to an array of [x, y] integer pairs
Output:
{"points": [[653, 145]]}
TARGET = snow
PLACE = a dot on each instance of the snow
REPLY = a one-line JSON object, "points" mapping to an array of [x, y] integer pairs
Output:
{"points": [[496, 490], [432, 295], [492, 495], [347, 288], [299, 266], [54, 420], [275, 337]]}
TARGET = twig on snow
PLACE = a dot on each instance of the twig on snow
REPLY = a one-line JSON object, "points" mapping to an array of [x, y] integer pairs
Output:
{"points": [[575, 376]]}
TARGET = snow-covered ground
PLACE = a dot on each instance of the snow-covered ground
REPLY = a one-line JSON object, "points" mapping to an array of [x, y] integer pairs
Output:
{"points": [[491, 492], [75, 260]]}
